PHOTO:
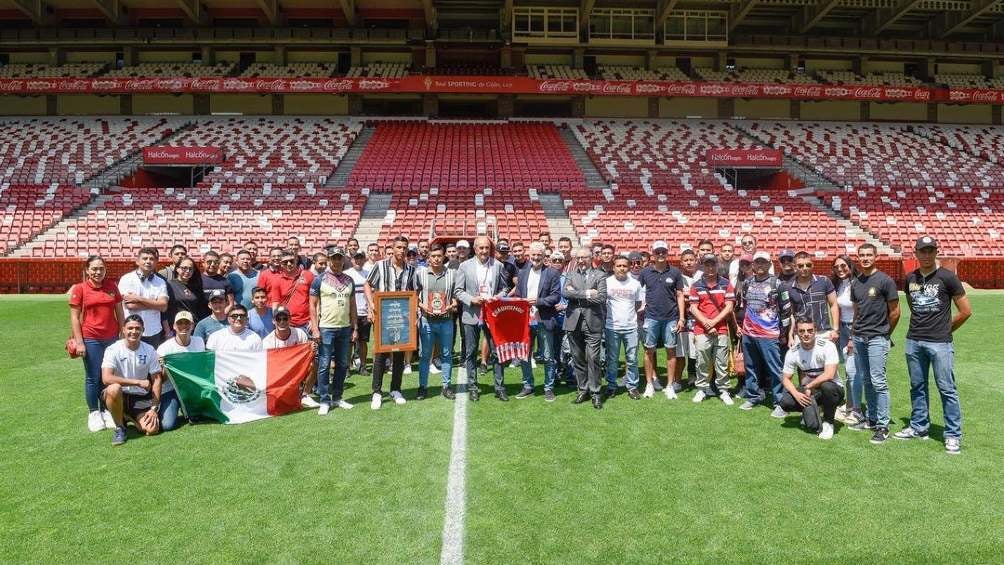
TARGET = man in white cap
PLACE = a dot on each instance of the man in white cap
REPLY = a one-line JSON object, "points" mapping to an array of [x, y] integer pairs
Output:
{"points": [[182, 342], [663, 308], [711, 301], [930, 292], [463, 250], [765, 315]]}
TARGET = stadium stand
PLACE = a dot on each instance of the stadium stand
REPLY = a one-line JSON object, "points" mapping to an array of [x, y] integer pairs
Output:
{"points": [[660, 184], [775, 76], [619, 72], [874, 79], [961, 81], [188, 70], [32, 70], [556, 71], [473, 174], [27, 209], [380, 70], [292, 70]]}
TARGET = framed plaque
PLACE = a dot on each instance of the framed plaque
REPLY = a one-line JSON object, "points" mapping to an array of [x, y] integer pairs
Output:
{"points": [[396, 322]]}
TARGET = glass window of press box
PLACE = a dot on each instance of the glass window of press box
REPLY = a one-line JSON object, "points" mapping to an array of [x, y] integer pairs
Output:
{"points": [[696, 25], [544, 22], [616, 23]]}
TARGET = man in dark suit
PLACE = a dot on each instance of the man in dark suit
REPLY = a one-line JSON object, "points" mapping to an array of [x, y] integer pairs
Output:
{"points": [[586, 291], [542, 287], [479, 279]]}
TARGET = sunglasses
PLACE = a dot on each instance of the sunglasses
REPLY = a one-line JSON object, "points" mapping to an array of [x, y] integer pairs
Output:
{"points": [[212, 261], [238, 316], [288, 261], [804, 265], [282, 319], [637, 263], [746, 243]]}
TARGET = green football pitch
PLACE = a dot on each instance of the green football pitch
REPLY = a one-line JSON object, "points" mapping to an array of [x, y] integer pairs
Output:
{"points": [[645, 481]]}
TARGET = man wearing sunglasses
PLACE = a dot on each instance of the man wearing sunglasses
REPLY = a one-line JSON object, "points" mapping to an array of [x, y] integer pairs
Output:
{"points": [[813, 297], [236, 336], [748, 244], [291, 289], [213, 279], [815, 362]]}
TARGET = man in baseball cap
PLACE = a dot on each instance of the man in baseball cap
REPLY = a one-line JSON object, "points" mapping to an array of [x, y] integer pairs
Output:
{"points": [[660, 244], [217, 318], [463, 250], [711, 300], [183, 341], [787, 259]]}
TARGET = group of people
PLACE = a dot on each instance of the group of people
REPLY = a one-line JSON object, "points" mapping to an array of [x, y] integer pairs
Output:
{"points": [[716, 313]]}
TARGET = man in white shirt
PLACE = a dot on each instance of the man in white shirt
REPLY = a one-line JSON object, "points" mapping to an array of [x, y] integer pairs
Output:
{"points": [[284, 335], [815, 361], [131, 373], [144, 293], [182, 342], [236, 336], [624, 299], [359, 273]]}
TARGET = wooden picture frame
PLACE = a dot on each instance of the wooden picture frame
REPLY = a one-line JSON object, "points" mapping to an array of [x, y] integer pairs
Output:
{"points": [[395, 322]]}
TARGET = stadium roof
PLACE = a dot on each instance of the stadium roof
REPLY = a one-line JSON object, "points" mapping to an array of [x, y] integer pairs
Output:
{"points": [[955, 20]]}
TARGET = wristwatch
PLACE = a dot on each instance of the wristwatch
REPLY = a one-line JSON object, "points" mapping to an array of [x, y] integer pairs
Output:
{"points": [[155, 407]]}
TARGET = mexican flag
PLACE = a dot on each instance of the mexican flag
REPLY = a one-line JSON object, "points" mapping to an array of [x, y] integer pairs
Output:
{"points": [[236, 387]]}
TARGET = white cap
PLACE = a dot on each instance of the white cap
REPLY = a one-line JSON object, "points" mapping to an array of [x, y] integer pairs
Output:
{"points": [[761, 255], [464, 243], [660, 244]]}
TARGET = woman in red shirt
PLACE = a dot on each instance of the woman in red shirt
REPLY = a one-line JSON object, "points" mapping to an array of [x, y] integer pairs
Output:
{"points": [[95, 318]]}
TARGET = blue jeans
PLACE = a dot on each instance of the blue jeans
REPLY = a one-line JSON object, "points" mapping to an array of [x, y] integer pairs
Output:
{"points": [[762, 356], [335, 343], [168, 413], [614, 340], [549, 343], [920, 357], [94, 352], [870, 356], [435, 331], [852, 380]]}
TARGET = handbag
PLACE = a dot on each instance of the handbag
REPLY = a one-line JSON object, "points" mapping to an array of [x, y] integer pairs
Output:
{"points": [[737, 363], [71, 342]]}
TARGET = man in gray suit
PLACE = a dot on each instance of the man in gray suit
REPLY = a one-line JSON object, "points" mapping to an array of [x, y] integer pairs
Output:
{"points": [[480, 279], [586, 291]]}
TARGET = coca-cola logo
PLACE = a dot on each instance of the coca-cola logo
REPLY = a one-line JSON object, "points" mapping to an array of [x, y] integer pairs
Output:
{"points": [[205, 84], [921, 94], [12, 86], [270, 85], [746, 90], [870, 93], [682, 89], [371, 84], [141, 84], [338, 85], [776, 90], [809, 91], [76, 85], [555, 86], [617, 88], [984, 96]]}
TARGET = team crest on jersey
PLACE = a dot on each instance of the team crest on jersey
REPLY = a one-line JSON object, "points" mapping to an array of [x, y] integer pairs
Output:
{"points": [[872, 292]]}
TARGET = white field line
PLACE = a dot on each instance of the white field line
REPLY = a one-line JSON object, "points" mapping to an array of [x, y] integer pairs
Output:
{"points": [[453, 524]]}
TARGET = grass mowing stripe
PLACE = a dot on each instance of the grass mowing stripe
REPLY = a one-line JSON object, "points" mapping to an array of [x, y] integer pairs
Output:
{"points": [[453, 523]]}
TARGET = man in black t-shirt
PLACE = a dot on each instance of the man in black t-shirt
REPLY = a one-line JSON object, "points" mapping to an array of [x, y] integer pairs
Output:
{"points": [[213, 279], [876, 313], [930, 291]]}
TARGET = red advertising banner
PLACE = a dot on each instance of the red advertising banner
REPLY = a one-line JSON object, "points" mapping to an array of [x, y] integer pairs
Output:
{"points": [[169, 155], [745, 158], [496, 85]]}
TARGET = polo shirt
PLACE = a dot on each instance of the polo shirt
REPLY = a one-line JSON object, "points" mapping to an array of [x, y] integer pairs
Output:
{"points": [[297, 288], [97, 307], [661, 288], [930, 302], [152, 287], [711, 298], [335, 294], [812, 302], [427, 282], [871, 294]]}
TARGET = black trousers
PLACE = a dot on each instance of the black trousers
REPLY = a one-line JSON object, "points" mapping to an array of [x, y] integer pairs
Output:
{"points": [[586, 349], [396, 370], [471, 341], [828, 395]]}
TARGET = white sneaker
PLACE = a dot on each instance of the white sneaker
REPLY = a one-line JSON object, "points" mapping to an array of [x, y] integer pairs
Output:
{"points": [[397, 396], [343, 405], [700, 396], [323, 409], [307, 402], [656, 384], [94, 421], [106, 416], [670, 393], [533, 363], [726, 398], [356, 364], [377, 400], [778, 412], [827, 431], [649, 390], [434, 369], [462, 373], [407, 369]]}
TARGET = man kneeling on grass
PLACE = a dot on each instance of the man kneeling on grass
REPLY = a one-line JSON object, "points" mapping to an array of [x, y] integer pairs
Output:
{"points": [[132, 377], [816, 363]]}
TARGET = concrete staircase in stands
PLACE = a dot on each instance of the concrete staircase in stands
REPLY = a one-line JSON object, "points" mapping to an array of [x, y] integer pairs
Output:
{"points": [[372, 218], [593, 177], [340, 176], [558, 222]]}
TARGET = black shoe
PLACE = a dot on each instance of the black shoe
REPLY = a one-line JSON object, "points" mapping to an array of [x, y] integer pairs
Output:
{"points": [[448, 393], [597, 401], [473, 393], [501, 395], [525, 393], [581, 397], [610, 393], [422, 394], [881, 434], [633, 394], [549, 395]]}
